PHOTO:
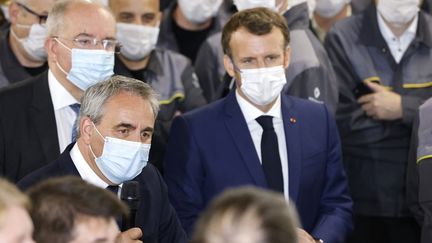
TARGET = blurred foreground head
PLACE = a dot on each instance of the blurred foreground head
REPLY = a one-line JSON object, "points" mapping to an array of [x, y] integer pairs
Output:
{"points": [[247, 215], [69, 210], [15, 223]]}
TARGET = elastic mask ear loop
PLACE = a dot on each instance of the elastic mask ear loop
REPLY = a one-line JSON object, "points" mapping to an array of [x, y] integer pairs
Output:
{"points": [[236, 68], [23, 26], [91, 150], [103, 138], [57, 64], [61, 43], [15, 36]]}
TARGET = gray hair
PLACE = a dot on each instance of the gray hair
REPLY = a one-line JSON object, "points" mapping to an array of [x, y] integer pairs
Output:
{"points": [[94, 98], [55, 22]]}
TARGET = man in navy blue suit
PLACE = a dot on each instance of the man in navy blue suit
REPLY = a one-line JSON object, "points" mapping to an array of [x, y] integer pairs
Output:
{"points": [[116, 124], [257, 136]]}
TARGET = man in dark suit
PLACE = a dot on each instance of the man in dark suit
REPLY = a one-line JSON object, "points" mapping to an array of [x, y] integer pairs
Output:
{"points": [[37, 116], [257, 136], [115, 130]]}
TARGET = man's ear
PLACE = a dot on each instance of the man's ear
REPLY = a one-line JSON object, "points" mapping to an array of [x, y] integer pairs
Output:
{"points": [[13, 12], [229, 66], [287, 57], [86, 129], [51, 47]]}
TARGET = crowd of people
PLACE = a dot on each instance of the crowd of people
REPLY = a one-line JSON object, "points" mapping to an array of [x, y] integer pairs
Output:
{"points": [[240, 121]]}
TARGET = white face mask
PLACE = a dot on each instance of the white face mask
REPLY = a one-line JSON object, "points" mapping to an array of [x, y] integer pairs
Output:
{"points": [[247, 4], [199, 11], [34, 43], [262, 85], [329, 8], [121, 160], [137, 40], [398, 12]]}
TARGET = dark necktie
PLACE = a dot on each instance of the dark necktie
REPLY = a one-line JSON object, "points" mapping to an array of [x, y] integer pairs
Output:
{"points": [[75, 107], [270, 157], [113, 189]]}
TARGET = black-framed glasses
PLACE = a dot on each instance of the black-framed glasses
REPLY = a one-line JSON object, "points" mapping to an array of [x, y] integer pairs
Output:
{"points": [[42, 17]]}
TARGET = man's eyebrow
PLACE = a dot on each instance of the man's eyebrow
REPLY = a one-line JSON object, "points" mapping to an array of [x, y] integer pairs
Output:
{"points": [[148, 129], [92, 36], [84, 35], [125, 125]]}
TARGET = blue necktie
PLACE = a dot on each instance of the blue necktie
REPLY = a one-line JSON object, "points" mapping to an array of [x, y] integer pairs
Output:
{"points": [[75, 107], [271, 162]]}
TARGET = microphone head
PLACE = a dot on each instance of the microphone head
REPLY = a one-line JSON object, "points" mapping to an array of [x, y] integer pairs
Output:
{"points": [[130, 194]]}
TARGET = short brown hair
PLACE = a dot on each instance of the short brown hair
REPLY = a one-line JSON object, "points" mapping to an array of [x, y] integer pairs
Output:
{"points": [[258, 21], [247, 214], [59, 202]]}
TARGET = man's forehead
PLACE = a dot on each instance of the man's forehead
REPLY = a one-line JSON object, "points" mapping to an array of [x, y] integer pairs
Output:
{"points": [[93, 22], [41, 6], [135, 5], [243, 37]]}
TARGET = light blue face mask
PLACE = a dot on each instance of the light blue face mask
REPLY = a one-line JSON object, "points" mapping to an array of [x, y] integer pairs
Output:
{"points": [[88, 66], [121, 160]]}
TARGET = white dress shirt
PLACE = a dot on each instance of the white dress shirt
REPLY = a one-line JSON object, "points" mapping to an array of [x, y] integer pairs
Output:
{"points": [[84, 169], [64, 115], [398, 45], [250, 113]]}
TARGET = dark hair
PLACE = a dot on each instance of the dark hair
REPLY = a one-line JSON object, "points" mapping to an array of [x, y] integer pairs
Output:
{"points": [[247, 214], [258, 21], [59, 202]]}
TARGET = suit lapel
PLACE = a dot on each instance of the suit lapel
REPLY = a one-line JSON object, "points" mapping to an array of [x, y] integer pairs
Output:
{"points": [[237, 127], [65, 162], [43, 117], [293, 140]]}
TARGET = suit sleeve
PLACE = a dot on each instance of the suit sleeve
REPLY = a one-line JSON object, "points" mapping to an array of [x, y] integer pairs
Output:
{"points": [[170, 229], [184, 174], [318, 83], [335, 220]]}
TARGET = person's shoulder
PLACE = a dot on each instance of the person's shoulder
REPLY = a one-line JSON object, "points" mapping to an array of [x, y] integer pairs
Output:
{"points": [[150, 179], [207, 112], [169, 56], [50, 170], [347, 26], [215, 38], [304, 107], [15, 98], [16, 90]]}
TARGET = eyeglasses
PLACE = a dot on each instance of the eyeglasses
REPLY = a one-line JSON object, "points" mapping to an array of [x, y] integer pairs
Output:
{"points": [[87, 42], [42, 18]]}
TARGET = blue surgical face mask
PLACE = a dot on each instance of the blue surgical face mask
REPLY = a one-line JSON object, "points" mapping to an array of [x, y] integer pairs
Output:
{"points": [[88, 66], [121, 160]]}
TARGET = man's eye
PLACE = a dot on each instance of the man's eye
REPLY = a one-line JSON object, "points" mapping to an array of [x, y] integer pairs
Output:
{"points": [[124, 131], [146, 134], [84, 42]]}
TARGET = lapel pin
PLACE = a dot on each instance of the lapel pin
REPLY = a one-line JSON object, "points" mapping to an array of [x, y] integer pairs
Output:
{"points": [[293, 120]]}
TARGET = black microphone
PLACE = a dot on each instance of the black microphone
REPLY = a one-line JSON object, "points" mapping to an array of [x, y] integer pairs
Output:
{"points": [[131, 196]]}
